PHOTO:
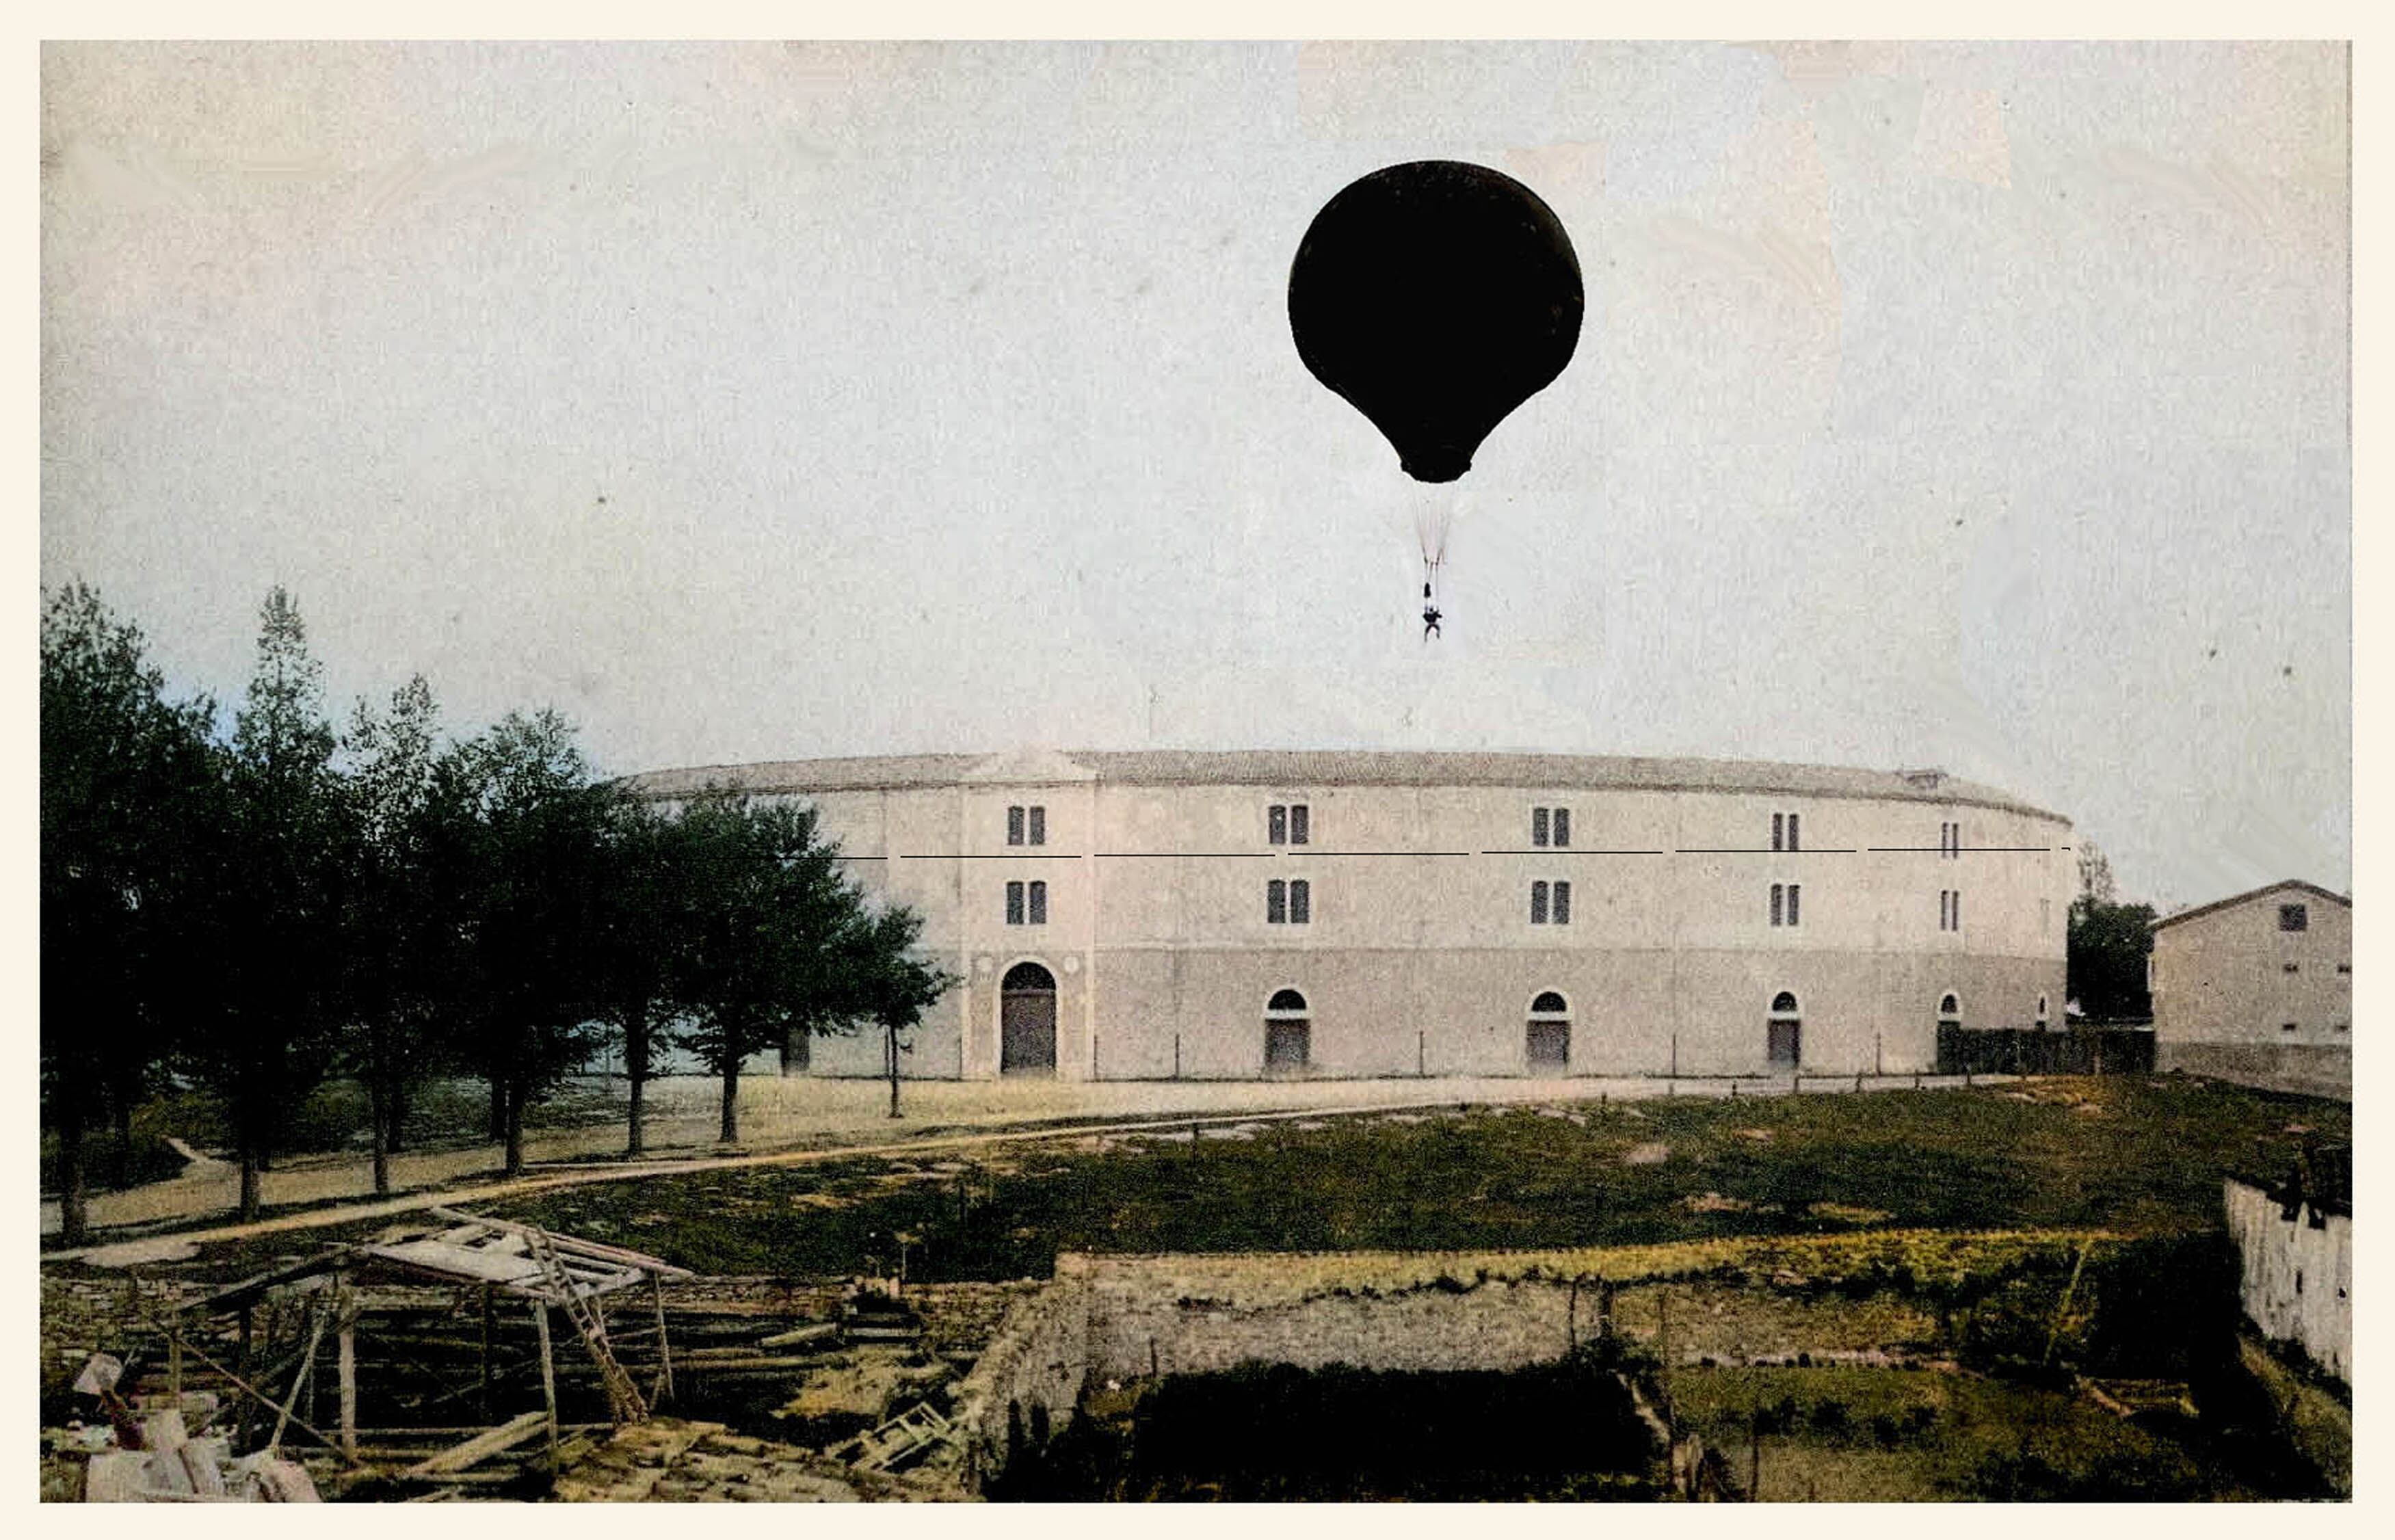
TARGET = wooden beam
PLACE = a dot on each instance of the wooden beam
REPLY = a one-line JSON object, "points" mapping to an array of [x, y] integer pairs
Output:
{"points": [[348, 1388], [548, 1379], [298, 1383], [482, 1446], [244, 1386]]}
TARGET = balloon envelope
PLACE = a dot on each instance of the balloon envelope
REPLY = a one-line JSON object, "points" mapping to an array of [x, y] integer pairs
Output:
{"points": [[1436, 296]]}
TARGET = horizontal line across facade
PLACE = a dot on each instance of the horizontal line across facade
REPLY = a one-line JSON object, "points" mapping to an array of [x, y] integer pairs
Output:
{"points": [[1302, 851]]}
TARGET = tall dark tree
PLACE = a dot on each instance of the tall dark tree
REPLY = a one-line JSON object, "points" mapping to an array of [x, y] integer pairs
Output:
{"points": [[2107, 947], [534, 847], [769, 907], [643, 918], [269, 1042], [129, 793], [398, 934]]}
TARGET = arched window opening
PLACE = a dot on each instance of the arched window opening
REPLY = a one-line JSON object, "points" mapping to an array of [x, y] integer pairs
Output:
{"points": [[1950, 1007], [1546, 1044], [1026, 1021], [1785, 1032], [1288, 1033], [2040, 1013]]}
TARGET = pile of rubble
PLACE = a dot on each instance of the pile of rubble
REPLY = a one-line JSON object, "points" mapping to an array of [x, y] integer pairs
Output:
{"points": [[668, 1460], [152, 1453]]}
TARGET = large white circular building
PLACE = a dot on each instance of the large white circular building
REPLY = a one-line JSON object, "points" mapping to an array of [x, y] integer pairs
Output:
{"points": [[1230, 915]]}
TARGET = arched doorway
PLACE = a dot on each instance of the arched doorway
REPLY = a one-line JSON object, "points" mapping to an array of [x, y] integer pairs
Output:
{"points": [[1546, 1046], [1288, 1033], [1026, 1021], [1785, 1032]]}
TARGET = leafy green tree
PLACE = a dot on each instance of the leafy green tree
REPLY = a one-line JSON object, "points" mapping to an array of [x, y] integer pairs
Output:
{"points": [[768, 904], [890, 984], [2108, 946], [282, 890], [531, 853], [643, 920], [398, 940], [129, 799]]}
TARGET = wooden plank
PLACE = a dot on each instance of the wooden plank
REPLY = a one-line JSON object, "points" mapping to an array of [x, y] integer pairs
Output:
{"points": [[623, 1255], [457, 1261], [482, 1446], [548, 1379], [349, 1370]]}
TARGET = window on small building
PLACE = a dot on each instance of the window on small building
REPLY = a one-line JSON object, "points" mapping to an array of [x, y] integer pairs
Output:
{"points": [[1538, 904], [1550, 827], [1014, 825], [1785, 831], [1539, 826], [1038, 821], [1026, 825], [1039, 903], [1015, 903], [2040, 1013], [1284, 824], [1560, 907], [2289, 967], [1949, 1006], [1288, 902], [1276, 903], [2286, 1026], [2345, 967], [1563, 826], [1784, 901], [2294, 917], [1026, 904]]}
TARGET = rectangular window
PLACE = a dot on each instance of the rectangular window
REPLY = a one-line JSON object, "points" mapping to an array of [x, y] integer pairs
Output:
{"points": [[1955, 902], [1795, 834], [1561, 905], [1039, 903], [2287, 967], [1297, 822], [1014, 825], [1015, 903], [2286, 1026], [1038, 821], [1563, 826], [1779, 832], [1538, 904], [2294, 917], [1276, 901], [1301, 902], [1779, 897], [2345, 967], [1538, 825], [1286, 824], [1795, 891]]}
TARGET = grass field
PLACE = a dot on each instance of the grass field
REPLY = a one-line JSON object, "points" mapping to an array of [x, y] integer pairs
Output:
{"points": [[1892, 1436], [2124, 1154]]}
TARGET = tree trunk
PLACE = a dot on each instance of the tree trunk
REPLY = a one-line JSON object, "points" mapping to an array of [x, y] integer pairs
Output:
{"points": [[121, 1152], [74, 1212], [512, 1102], [397, 1127], [499, 1108], [252, 1165], [636, 1070], [378, 1123], [889, 1056], [731, 1132]]}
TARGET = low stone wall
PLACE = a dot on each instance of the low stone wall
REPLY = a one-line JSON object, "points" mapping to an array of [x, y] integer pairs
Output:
{"points": [[2307, 1068], [1030, 1376], [2298, 1276]]}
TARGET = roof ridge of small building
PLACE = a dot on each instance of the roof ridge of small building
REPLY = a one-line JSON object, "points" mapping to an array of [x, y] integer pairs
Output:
{"points": [[2283, 885]]}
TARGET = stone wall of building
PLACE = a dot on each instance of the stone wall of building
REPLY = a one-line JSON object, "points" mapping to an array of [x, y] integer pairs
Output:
{"points": [[2306, 1068]]}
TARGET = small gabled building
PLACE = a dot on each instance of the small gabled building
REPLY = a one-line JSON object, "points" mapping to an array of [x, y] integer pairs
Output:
{"points": [[2258, 988]]}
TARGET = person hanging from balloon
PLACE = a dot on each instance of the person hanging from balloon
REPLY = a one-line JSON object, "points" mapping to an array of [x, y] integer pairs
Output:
{"points": [[1435, 297]]}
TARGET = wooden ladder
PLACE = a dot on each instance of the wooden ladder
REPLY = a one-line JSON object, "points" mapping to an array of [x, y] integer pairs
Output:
{"points": [[624, 1402]]}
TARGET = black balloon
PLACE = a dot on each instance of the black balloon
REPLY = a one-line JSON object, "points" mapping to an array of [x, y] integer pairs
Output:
{"points": [[1436, 296]]}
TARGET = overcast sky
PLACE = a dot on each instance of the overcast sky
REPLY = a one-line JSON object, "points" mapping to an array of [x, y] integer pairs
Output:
{"points": [[1982, 407]]}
